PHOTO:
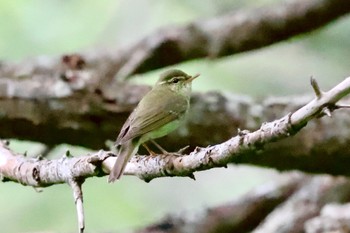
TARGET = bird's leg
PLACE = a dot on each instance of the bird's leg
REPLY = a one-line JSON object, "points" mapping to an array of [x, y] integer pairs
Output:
{"points": [[165, 152], [159, 147], [151, 152], [179, 153]]}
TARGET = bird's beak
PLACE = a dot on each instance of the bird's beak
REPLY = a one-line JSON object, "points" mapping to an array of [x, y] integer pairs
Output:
{"points": [[192, 78]]}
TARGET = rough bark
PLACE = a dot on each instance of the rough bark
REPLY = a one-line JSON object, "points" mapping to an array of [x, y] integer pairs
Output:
{"points": [[43, 173], [61, 100], [218, 114], [294, 203], [211, 38], [77, 99]]}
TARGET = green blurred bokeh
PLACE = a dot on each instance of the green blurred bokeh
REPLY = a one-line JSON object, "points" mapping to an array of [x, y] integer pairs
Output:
{"points": [[39, 27]]}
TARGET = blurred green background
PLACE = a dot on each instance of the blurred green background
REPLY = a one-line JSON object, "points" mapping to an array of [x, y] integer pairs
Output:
{"points": [[39, 27]]}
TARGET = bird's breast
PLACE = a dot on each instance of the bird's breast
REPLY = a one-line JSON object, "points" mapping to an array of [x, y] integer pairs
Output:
{"points": [[160, 132]]}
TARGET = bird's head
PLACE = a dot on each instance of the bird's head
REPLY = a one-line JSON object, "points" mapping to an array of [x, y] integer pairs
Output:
{"points": [[176, 80]]}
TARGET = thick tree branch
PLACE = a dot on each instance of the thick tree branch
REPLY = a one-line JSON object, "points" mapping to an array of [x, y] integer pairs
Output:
{"points": [[47, 172], [76, 95], [90, 121], [230, 34], [61, 97], [216, 37], [292, 203], [42, 173], [242, 215]]}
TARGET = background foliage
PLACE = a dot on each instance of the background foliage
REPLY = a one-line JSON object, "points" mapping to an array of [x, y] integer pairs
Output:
{"points": [[35, 28]]}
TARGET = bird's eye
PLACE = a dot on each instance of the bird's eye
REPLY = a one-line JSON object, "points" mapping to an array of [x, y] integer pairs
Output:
{"points": [[176, 80]]}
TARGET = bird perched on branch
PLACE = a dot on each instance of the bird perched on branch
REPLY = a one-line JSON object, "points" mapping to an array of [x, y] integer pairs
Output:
{"points": [[158, 113]]}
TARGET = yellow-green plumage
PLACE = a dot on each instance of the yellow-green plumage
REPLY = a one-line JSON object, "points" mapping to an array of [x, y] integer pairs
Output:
{"points": [[158, 113]]}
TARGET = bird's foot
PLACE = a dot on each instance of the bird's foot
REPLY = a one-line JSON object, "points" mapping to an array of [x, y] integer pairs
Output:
{"points": [[151, 152]]}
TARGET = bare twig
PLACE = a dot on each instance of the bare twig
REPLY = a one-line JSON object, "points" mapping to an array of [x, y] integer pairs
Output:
{"points": [[316, 88], [76, 186], [327, 99]]}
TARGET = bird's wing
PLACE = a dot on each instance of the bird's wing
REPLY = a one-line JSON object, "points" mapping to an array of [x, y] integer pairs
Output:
{"points": [[153, 113]]}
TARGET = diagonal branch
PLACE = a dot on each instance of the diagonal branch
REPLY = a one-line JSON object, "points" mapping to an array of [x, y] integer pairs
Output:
{"points": [[230, 34], [74, 171], [63, 97], [221, 154], [318, 148], [47, 172], [240, 215], [216, 37], [294, 202]]}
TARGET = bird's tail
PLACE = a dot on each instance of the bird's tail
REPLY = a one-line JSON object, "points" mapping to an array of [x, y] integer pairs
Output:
{"points": [[126, 151]]}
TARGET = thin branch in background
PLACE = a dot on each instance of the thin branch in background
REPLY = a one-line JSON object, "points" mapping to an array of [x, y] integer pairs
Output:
{"points": [[215, 37], [294, 202], [228, 34]]}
